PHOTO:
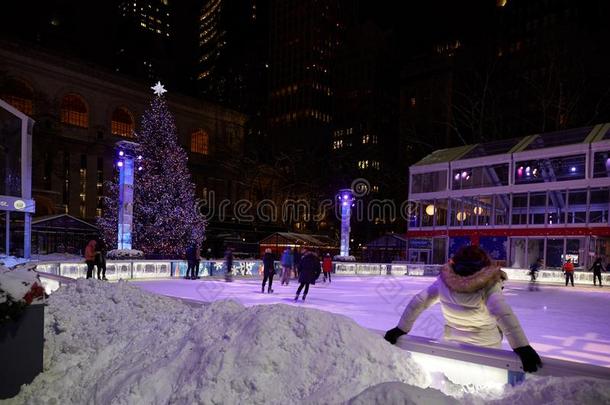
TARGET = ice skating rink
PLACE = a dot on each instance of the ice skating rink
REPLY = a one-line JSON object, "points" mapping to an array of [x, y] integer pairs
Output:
{"points": [[571, 323]]}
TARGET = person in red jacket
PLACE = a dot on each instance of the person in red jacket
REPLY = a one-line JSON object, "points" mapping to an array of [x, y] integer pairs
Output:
{"points": [[568, 269], [327, 266], [90, 257]]}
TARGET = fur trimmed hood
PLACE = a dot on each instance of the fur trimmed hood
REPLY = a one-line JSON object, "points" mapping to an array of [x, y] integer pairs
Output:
{"points": [[483, 278]]}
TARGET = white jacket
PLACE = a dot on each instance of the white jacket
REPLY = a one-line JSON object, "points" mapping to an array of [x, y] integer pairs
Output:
{"points": [[473, 306]]}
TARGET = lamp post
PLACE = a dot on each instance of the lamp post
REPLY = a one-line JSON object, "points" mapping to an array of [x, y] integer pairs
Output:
{"points": [[126, 163], [345, 200]]}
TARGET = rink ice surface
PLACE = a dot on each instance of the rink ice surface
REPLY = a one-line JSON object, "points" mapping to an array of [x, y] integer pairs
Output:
{"points": [[570, 323]]}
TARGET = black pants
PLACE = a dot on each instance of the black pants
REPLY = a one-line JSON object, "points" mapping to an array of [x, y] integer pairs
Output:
{"points": [[196, 269], [90, 264], [270, 278], [100, 263], [599, 277], [570, 277], [306, 285], [327, 274], [190, 270]]}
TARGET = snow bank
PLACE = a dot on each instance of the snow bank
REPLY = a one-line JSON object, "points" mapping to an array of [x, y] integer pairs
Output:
{"points": [[113, 343], [16, 283], [396, 393]]}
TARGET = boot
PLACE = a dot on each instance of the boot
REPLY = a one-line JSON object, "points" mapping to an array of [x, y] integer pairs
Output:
{"points": [[263, 290], [296, 298], [304, 297]]}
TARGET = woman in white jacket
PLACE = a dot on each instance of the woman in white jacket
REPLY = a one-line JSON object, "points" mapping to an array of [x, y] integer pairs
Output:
{"points": [[470, 292]]}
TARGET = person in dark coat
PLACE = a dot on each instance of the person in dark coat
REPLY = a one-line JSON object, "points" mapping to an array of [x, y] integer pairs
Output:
{"points": [[309, 271], [100, 259], [268, 270], [597, 271], [229, 265], [534, 269], [191, 259]]}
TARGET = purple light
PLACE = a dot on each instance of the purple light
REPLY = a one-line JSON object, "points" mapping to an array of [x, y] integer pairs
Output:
{"points": [[520, 171], [464, 175], [121, 153], [573, 169], [345, 203], [139, 168], [139, 157], [457, 176], [345, 196], [120, 164]]}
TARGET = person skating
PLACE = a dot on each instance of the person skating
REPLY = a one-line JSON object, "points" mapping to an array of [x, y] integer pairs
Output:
{"points": [[469, 289], [534, 268], [191, 260], [568, 269], [327, 266], [229, 265], [309, 271], [90, 257], [100, 259], [597, 268], [287, 263], [268, 270]]}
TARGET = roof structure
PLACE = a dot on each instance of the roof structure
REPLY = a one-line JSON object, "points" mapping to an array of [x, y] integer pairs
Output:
{"points": [[572, 136], [297, 239]]}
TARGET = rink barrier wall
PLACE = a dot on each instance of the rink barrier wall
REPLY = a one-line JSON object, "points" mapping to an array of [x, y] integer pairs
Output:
{"points": [[151, 269]]}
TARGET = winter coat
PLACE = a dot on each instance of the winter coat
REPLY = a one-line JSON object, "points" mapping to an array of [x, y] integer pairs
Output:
{"points": [[309, 268], [327, 264], [229, 260], [568, 267], [473, 306], [90, 251], [597, 267], [287, 259], [268, 261], [191, 253]]}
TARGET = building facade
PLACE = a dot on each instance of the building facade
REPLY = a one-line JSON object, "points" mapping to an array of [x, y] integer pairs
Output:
{"points": [[81, 112], [541, 196]]}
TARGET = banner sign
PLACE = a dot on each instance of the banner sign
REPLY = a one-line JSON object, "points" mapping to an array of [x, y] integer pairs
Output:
{"points": [[8, 203]]}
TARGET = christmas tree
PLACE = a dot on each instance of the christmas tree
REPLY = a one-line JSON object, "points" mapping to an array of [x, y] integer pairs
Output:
{"points": [[166, 219]]}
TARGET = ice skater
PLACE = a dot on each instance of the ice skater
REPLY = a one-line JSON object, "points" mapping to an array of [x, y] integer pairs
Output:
{"points": [[327, 266], [597, 271], [469, 289], [568, 270], [534, 268], [90, 257], [309, 271], [268, 270], [191, 260], [229, 265], [100, 259], [287, 263]]}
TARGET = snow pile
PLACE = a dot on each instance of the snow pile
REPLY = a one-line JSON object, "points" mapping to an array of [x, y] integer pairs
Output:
{"points": [[15, 284], [124, 254], [11, 261], [534, 391], [113, 343]]}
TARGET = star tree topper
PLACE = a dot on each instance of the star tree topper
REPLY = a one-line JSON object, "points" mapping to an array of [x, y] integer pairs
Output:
{"points": [[158, 89]]}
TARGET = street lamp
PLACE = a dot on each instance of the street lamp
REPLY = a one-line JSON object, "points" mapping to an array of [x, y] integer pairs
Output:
{"points": [[345, 199]]}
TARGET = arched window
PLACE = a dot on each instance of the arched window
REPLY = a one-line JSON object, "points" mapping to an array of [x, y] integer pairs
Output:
{"points": [[19, 94], [74, 111], [200, 142], [122, 123]]}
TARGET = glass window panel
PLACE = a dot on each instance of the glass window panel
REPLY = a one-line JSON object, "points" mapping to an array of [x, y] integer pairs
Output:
{"points": [[501, 208], [414, 215], [429, 182], [10, 154], [535, 250], [556, 208], [428, 210], [573, 252], [552, 169], [577, 206], [441, 212], [439, 247], [598, 205], [554, 253], [483, 210], [457, 213], [601, 164], [476, 177], [519, 214], [537, 208], [517, 253]]}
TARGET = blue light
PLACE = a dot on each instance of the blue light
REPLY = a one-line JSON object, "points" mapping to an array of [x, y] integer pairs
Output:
{"points": [[120, 164], [139, 157], [139, 168], [121, 153], [573, 169], [345, 196]]}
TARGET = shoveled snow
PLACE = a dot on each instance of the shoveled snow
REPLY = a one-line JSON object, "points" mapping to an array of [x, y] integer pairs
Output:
{"points": [[114, 343], [16, 283]]}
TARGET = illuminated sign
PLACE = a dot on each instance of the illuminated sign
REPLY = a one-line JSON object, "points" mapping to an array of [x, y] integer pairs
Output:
{"points": [[16, 204]]}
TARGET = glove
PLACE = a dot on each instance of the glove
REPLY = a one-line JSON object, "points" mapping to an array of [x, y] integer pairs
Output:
{"points": [[529, 358], [393, 334]]}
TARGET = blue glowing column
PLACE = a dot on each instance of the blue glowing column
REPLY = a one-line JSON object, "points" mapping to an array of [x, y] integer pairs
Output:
{"points": [[125, 202], [346, 198]]}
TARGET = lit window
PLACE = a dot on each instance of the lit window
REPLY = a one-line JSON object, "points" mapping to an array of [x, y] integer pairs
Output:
{"points": [[365, 139], [74, 111], [19, 94], [200, 142], [413, 102], [122, 123]]}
